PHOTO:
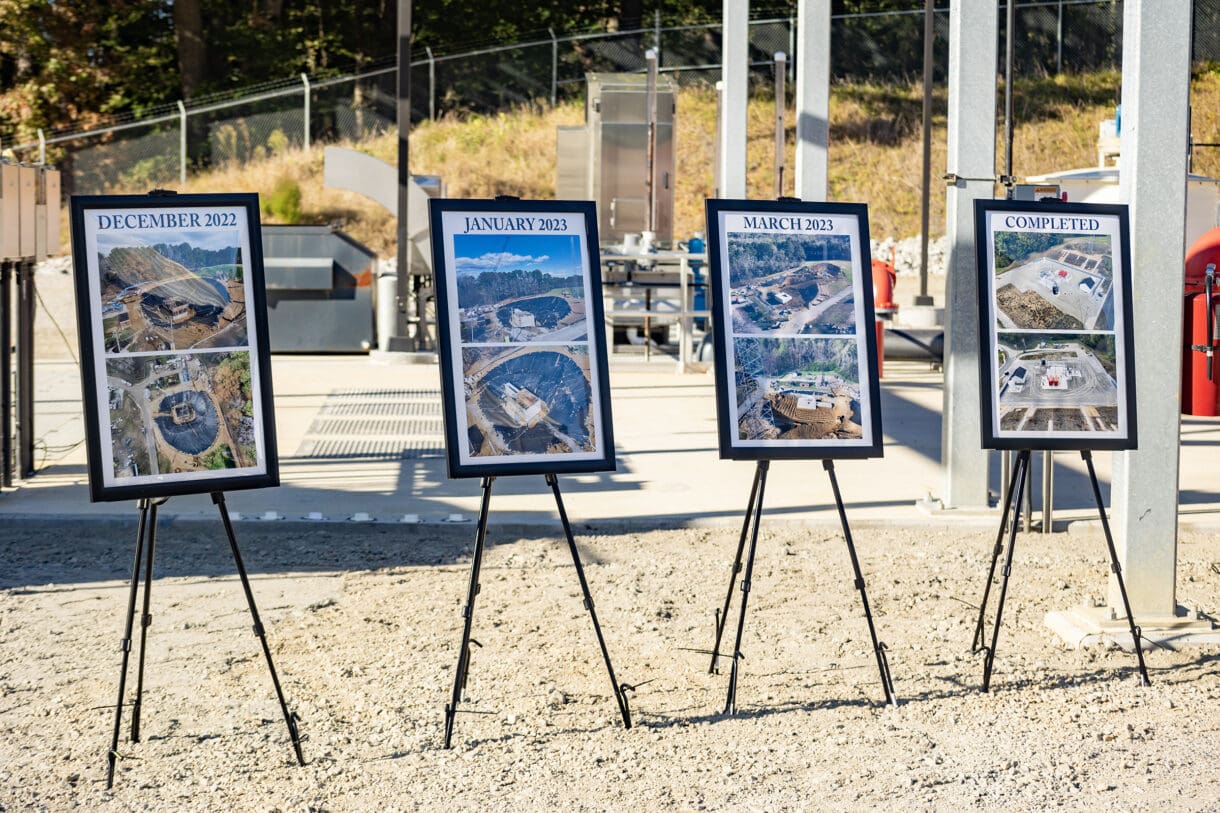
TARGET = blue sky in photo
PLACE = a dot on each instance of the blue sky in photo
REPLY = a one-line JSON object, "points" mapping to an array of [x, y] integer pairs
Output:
{"points": [[555, 254], [211, 239]]}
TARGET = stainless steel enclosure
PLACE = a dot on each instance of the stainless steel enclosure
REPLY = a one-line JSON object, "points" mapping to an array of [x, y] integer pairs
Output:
{"points": [[319, 284], [606, 160]]}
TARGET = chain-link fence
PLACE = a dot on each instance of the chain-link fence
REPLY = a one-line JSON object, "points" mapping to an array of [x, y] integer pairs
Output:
{"points": [[1051, 36]]}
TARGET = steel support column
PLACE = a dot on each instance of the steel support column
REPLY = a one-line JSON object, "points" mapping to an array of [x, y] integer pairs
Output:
{"points": [[400, 340], [973, 31], [735, 71], [812, 99], [1155, 98]]}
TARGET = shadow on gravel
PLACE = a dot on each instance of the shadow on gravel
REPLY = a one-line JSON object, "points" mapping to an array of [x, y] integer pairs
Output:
{"points": [[52, 554]]}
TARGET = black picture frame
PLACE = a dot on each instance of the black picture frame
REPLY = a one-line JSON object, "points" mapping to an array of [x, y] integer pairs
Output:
{"points": [[191, 341], [475, 324], [1056, 357], [839, 329]]}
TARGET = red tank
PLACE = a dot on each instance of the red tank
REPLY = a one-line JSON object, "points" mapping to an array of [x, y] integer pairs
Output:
{"points": [[1200, 375]]}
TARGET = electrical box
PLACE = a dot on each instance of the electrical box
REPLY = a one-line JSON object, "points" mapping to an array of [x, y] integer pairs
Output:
{"points": [[10, 218], [27, 194], [1035, 192], [46, 214]]}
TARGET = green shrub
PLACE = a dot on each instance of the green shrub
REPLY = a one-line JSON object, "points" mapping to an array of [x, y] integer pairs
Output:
{"points": [[284, 202], [277, 142]]}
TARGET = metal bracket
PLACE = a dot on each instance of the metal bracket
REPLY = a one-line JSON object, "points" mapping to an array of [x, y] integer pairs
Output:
{"points": [[953, 178]]}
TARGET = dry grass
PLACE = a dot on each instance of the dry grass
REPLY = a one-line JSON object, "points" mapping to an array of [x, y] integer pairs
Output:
{"points": [[875, 152]]}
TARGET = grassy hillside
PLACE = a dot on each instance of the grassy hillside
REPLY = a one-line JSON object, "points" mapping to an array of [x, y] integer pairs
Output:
{"points": [[875, 152]]}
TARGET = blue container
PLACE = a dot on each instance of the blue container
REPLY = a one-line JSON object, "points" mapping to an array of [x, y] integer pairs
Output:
{"points": [[696, 245]]}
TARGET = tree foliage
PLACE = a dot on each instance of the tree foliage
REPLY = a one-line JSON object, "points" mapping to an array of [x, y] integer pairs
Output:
{"points": [[761, 255], [68, 64], [491, 287]]}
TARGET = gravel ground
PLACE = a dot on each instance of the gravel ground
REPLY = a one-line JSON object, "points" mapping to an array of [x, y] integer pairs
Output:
{"points": [[364, 623]]}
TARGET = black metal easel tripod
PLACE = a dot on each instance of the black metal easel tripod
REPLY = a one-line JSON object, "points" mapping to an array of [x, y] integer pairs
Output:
{"points": [[750, 525], [463, 665], [1016, 486], [148, 530]]}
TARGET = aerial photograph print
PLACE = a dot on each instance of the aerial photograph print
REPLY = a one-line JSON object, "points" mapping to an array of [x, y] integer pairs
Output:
{"points": [[797, 389], [791, 283], [171, 291], [520, 288], [1056, 382], [528, 400], [1050, 281], [173, 414]]}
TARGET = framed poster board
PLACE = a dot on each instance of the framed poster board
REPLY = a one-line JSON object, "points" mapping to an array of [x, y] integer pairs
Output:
{"points": [[522, 337], [796, 346], [1056, 361], [175, 367]]}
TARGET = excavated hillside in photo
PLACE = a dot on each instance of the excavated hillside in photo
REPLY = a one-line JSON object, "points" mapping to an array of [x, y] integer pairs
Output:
{"points": [[140, 265]]}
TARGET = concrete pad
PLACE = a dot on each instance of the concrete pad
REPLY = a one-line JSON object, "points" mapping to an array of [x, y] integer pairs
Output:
{"points": [[1092, 626], [669, 473]]}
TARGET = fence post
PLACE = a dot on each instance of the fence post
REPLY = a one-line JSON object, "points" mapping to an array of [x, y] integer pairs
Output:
{"points": [[305, 82], [792, 48], [431, 84], [181, 144], [656, 34], [42, 147], [781, 73], [554, 66], [1059, 41]]}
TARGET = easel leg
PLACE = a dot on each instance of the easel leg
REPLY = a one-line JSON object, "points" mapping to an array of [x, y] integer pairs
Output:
{"points": [[620, 691], [145, 618], [290, 718], [723, 615], [730, 703], [1009, 503], [1023, 479], [1116, 567], [125, 644], [887, 682], [463, 664]]}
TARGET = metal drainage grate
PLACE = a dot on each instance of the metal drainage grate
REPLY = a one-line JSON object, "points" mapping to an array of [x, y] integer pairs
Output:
{"points": [[389, 424], [370, 449]]}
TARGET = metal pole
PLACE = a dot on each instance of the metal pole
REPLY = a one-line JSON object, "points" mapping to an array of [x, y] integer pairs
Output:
{"points": [[656, 32], [554, 67], [650, 161], [973, 36], [812, 58], [716, 166], [305, 81], [781, 72], [1155, 98], [684, 321], [1059, 40], [25, 368], [925, 203], [735, 71], [1048, 490], [42, 147], [792, 48], [431, 83], [404, 175], [181, 143], [1009, 25], [1005, 468], [6, 375]]}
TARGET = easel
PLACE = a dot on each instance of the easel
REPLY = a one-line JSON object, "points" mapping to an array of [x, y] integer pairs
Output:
{"points": [[750, 525], [463, 665], [148, 530], [1016, 486]]}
